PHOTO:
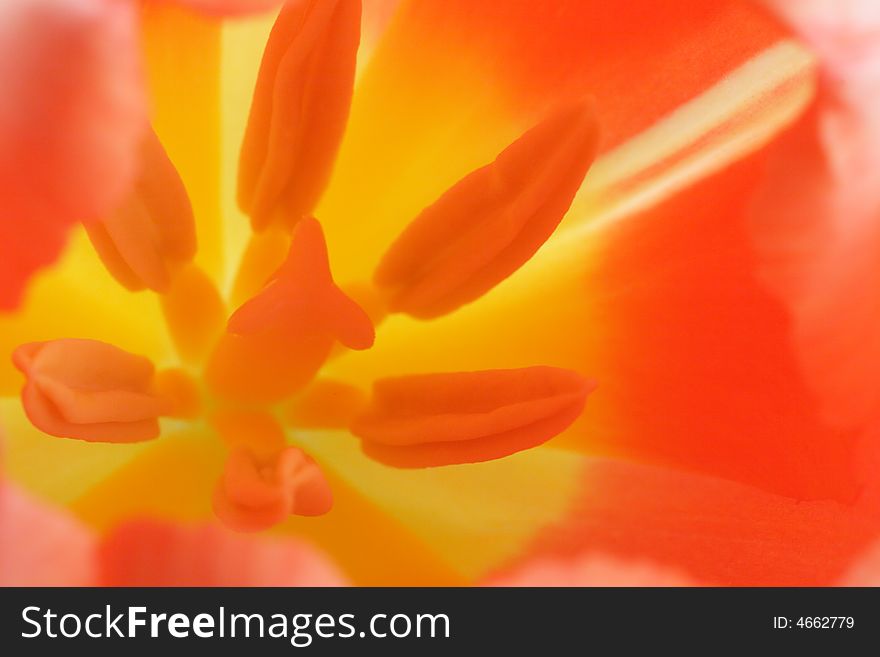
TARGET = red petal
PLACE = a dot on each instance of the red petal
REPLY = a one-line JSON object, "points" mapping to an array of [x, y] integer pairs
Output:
{"points": [[694, 355], [640, 59], [865, 571], [590, 570], [154, 553], [70, 125], [718, 532], [817, 220], [40, 546], [225, 7]]}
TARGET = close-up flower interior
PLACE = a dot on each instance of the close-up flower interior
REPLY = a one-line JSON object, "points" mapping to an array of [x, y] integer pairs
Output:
{"points": [[439, 293]]}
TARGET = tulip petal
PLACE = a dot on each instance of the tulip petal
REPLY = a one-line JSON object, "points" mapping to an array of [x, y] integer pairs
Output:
{"points": [[719, 532], [41, 546], [590, 569], [220, 8], [153, 553], [69, 127], [818, 233], [865, 571], [624, 54], [843, 33], [817, 218]]}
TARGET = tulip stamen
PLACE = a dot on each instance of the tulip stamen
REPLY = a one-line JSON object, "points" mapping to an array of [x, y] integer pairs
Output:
{"points": [[152, 233], [264, 479], [492, 221]]}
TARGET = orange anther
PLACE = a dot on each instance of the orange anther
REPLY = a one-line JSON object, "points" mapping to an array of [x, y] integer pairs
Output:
{"points": [[465, 417], [493, 220], [300, 109], [276, 342], [256, 493], [153, 230], [89, 390]]}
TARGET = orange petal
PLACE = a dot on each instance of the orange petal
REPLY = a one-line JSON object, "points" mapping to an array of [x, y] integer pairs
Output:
{"points": [[719, 532], [590, 569], [72, 118], [41, 546], [256, 493], [300, 109], [277, 341], [155, 553], [153, 230], [489, 224], [465, 417], [89, 390]]}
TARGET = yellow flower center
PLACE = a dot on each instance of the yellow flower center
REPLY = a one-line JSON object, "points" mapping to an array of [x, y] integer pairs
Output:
{"points": [[255, 371]]}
